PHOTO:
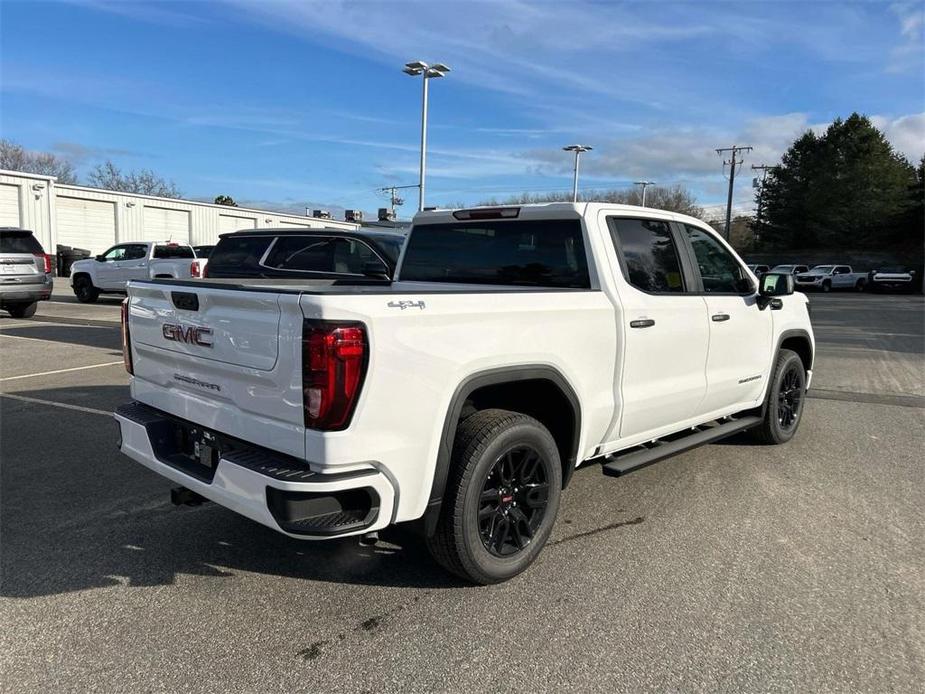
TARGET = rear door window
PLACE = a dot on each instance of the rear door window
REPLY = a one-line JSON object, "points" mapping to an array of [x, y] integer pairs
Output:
{"points": [[648, 254], [318, 254], [19, 242], [136, 251], [720, 272]]}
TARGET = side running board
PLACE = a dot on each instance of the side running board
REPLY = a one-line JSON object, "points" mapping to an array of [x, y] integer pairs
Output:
{"points": [[620, 463]]}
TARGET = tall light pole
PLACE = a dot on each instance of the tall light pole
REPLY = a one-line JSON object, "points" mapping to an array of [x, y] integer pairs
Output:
{"points": [[417, 68], [644, 184], [577, 149]]}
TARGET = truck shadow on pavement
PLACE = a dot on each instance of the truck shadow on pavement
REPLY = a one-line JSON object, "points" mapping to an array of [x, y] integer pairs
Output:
{"points": [[77, 514], [109, 337]]}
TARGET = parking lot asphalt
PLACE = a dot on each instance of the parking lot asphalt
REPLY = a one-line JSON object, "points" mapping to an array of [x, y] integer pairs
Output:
{"points": [[733, 567]]}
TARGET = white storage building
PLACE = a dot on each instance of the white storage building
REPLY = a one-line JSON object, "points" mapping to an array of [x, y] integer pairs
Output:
{"points": [[95, 219]]}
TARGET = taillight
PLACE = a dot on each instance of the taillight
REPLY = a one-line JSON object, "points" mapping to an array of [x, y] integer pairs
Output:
{"points": [[126, 340], [205, 271], [194, 269], [334, 358], [46, 261]]}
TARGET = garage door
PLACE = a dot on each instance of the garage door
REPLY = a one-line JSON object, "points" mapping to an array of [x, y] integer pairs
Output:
{"points": [[163, 224], [9, 206], [89, 224], [229, 222]]}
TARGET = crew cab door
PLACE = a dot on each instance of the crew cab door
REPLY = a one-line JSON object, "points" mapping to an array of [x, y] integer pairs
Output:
{"points": [[135, 264], [110, 270], [665, 328], [842, 277], [740, 332]]}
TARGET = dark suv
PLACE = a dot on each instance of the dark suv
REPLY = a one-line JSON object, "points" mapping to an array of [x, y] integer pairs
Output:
{"points": [[25, 272]]}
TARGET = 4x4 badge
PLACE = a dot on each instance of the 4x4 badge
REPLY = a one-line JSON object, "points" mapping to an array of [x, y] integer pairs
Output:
{"points": [[406, 304]]}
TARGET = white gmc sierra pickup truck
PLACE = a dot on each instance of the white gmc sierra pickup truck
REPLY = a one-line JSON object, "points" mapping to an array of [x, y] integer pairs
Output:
{"points": [[110, 272], [512, 345]]}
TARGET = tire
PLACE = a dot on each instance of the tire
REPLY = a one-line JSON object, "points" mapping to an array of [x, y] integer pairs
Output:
{"points": [[22, 310], [786, 397], [826, 286], [859, 285], [84, 290], [496, 515]]}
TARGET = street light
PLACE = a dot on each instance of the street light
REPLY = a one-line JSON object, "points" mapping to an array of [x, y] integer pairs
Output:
{"points": [[577, 149], [415, 69], [644, 184]]}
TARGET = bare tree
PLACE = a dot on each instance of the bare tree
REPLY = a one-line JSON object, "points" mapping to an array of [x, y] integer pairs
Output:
{"points": [[671, 198], [15, 157], [144, 182]]}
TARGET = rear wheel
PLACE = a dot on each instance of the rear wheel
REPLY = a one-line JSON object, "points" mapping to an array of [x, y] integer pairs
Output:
{"points": [[501, 499], [860, 284], [786, 394], [22, 310], [84, 290]]}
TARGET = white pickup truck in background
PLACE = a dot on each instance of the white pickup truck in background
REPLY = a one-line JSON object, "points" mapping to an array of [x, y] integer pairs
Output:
{"points": [[109, 272], [828, 277], [509, 346]]}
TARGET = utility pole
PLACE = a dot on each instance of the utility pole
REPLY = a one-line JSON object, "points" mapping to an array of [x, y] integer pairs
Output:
{"points": [[733, 162], [644, 184], [394, 199], [763, 168]]}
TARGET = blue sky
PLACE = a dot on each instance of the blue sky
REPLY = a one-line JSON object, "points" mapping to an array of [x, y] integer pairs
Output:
{"points": [[292, 103]]}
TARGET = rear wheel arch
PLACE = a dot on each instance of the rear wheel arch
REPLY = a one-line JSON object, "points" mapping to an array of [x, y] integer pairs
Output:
{"points": [[539, 391]]}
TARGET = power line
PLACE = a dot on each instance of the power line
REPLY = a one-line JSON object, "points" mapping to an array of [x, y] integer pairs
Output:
{"points": [[733, 161], [394, 200]]}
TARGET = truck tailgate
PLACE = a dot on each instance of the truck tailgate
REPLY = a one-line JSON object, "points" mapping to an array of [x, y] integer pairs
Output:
{"points": [[224, 358]]}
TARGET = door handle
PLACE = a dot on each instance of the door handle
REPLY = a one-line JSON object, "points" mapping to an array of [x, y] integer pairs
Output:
{"points": [[719, 317], [642, 323]]}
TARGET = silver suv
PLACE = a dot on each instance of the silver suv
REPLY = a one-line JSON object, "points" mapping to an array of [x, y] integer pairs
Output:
{"points": [[25, 272]]}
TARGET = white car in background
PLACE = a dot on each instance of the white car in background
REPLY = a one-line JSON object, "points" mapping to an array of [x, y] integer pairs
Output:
{"points": [[791, 269], [109, 272], [828, 277]]}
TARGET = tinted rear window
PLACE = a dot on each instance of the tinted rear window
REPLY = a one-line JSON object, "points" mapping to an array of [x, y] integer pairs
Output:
{"points": [[541, 253], [650, 258], [161, 252], [19, 242], [238, 256]]}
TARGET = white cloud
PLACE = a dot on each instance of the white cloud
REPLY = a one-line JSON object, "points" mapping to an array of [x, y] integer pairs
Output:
{"points": [[909, 54]]}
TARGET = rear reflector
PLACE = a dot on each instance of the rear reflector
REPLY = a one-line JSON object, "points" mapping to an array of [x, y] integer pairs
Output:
{"points": [[334, 359], [488, 213], [126, 339]]}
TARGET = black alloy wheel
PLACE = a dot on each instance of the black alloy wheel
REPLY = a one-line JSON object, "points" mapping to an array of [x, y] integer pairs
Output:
{"points": [[513, 501], [790, 397]]}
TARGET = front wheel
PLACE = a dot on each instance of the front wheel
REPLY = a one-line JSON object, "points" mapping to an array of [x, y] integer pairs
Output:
{"points": [[84, 290], [784, 405], [826, 286], [501, 499], [22, 310]]}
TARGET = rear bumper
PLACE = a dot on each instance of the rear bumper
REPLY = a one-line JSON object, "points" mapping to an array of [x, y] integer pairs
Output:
{"points": [[275, 490], [13, 290]]}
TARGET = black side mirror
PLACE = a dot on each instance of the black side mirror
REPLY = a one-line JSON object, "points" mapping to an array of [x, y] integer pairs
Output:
{"points": [[376, 270], [101, 258], [774, 285]]}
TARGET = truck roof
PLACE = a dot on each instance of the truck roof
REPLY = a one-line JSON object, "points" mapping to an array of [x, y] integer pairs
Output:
{"points": [[553, 210]]}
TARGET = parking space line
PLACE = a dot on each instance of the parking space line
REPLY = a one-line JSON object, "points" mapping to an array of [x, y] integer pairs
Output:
{"points": [[60, 371], [64, 405]]}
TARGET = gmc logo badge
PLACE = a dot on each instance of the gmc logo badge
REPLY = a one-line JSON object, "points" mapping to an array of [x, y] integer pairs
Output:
{"points": [[190, 336]]}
